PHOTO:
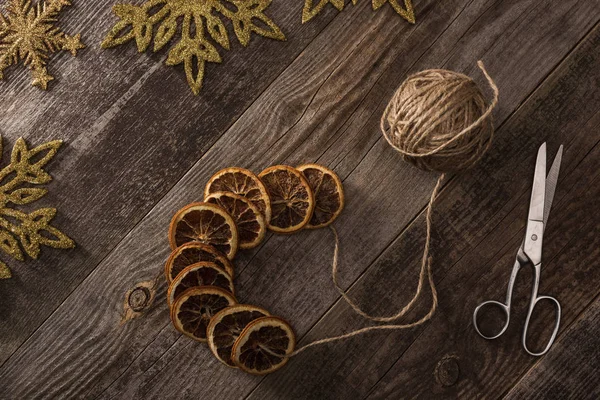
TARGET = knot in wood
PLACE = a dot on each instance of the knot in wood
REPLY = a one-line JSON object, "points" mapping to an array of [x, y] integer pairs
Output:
{"points": [[447, 371], [139, 298]]}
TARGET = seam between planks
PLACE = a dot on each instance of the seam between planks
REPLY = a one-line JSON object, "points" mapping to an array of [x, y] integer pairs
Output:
{"points": [[503, 252], [344, 128], [532, 94], [451, 53], [575, 320], [411, 221], [346, 120], [126, 234], [300, 118], [159, 200], [446, 185], [442, 189]]}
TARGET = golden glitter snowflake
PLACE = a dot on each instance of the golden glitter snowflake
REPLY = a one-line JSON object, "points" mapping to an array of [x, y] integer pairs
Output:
{"points": [[202, 26], [23, 231], [28, 33], [311, 9]]}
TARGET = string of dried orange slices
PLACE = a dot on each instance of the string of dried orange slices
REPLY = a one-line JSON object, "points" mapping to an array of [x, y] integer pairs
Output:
{"points": [[237, 210]]}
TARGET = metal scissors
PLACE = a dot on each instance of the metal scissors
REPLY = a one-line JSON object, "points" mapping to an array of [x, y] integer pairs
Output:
{"points": [[530, 252]]}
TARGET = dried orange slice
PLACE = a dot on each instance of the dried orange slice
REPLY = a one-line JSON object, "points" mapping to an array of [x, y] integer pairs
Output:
{"points": [[194, 308], [205, 223], [243, 182], [225, 327], [262, 346], [292, 201], [248, 219], [328, 191], [200, 274], [192, 253]]}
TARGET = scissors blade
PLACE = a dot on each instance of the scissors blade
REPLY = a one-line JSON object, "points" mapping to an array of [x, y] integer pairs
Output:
{"points": [[532, 245], [538, 193], [551, 181]]}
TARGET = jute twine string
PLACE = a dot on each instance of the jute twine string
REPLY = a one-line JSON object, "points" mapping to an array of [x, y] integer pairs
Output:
{"points": [[437, 120]]}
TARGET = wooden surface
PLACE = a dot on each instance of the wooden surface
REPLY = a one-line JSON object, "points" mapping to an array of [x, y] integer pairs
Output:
{"points": [[139, 145]]}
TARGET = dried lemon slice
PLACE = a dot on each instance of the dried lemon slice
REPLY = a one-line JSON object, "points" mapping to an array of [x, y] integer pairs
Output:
{"points": [[243, 182], [192, 253], [249, 221], [200, 274], [194, 308], [225, 327], [328, 191], [205, 223], [292, 201], [263, 345]]}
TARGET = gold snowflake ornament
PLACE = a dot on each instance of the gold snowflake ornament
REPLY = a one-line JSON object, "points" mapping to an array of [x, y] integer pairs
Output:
{"points": [[202, 28], [311, 9], [23, 232], [28, 33]]}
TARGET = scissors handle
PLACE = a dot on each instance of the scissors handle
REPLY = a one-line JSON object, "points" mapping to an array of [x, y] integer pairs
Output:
{"points": [[535, 299], [489, 304], [505, 307]]}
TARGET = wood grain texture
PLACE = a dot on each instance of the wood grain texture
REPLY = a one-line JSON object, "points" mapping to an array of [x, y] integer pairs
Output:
{"points": [[466, 213], [571, 371], [131, 129], [323, 107], [489, 368]]}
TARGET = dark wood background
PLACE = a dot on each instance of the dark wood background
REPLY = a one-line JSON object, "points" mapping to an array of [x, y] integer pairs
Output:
{"points": [[139, 145]]}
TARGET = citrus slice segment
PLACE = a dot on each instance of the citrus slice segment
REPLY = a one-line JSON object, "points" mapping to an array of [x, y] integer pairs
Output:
{"points": [[263, 345], [192, 253], [225, 327], [194, 308], [292, 201], [328, 191], [243, 182], [200, 274], [205, 223], [249, 221]]}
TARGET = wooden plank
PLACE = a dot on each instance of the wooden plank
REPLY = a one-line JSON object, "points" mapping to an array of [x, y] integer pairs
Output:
{"points": [[112, 169], [490, 368], [477, 202], [570, 371], [329, 52], [185, 371], [348, 370], [194, 371], [146, 352]]}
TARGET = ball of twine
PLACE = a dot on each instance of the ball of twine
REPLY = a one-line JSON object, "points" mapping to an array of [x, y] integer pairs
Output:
{"points": [[438, 120]]}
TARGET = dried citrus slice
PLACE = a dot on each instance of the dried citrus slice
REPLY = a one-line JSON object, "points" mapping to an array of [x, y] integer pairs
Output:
{"points": [[262, 346], [194, 308], [249, 221], [328, 191], [192, 253], [225, 327], [243, 182], [205, 223], [200, 274], [292, 201]]}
